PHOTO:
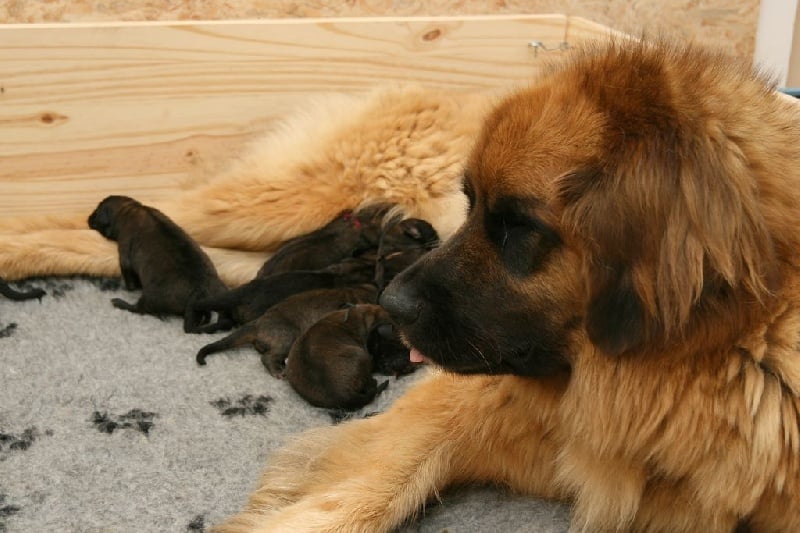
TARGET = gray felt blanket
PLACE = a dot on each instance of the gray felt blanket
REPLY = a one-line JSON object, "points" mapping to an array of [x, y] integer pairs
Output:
{"points": [[108, 424]]}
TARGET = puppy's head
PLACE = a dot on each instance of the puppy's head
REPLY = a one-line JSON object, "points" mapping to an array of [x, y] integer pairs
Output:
{"points": [[614, 202], [103, 218], [389, 354], [408, 233]]}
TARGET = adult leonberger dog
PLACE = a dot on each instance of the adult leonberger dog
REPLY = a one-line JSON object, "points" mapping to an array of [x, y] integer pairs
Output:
{"points": [[618, 317]]}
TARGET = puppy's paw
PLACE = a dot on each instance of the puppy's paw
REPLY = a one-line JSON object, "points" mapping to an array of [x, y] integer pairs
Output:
{"points": [[119, 303], [274, 363]]}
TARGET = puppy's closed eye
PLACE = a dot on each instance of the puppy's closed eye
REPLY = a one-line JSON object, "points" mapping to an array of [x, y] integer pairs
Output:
{"points": [[386, 331], [413, 232]]}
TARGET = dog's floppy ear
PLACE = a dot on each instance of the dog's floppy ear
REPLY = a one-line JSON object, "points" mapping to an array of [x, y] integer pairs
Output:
{"points": [[666, 227], [615, 315]]}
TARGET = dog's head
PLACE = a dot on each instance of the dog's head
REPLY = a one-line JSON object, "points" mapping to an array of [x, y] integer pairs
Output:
{"points": [[103, 218], [617, 201]]}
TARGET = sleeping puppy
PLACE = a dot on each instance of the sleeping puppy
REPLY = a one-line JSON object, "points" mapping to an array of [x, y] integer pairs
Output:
{"points": [[395, 253], [398, 246], [248, 302], [330, 365], [347, 235], [13, 294], [273, 334], [160, 258], [390, 356]]}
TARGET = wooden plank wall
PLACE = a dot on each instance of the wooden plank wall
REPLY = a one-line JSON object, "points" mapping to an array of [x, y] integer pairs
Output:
{"points": [[140, 108]]}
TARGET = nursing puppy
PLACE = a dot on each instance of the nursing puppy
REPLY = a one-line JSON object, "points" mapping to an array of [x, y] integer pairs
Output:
{"points": [[158, 257], [330, 365], [248, 302], [384, 255], [618, 317], [273, 334], [347, 235], [390, 356]]}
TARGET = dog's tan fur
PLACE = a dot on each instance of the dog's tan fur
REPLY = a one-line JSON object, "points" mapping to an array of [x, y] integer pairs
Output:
{"points": [[670, 178], [405, 145]]}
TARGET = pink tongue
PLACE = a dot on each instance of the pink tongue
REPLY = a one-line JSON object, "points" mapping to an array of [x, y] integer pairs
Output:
{"points": [[416, 356]]}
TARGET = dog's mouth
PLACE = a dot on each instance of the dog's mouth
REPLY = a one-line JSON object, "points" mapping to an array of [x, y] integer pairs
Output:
{"points": [[457, 365], [521, 362]]}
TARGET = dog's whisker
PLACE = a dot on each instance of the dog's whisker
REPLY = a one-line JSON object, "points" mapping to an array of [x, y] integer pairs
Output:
{"points": [[480, 353]]}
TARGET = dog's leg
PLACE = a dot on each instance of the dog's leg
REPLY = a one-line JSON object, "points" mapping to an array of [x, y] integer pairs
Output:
{"points": [[63, 252], [374, 474], [674, 506], [28, 223], [233, 217], [57, 252], [235, 211]]}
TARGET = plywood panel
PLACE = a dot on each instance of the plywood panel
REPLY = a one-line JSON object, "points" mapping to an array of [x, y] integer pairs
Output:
{"points": [[138, 107], [729, 23]]}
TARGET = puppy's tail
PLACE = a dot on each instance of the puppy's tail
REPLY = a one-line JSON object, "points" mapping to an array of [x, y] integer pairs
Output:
{"points": [[240, 337], [225, 301], [13, 294]]}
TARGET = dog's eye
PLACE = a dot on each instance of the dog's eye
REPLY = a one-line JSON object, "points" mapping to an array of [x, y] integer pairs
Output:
{"points": [[523, 242], [514, 230]]}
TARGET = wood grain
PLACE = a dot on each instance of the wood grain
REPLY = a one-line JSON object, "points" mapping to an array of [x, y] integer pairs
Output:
{"points": [[142, 108]]}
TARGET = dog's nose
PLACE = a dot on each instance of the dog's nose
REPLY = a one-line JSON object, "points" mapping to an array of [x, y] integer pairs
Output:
{"points": [[401, 302]]}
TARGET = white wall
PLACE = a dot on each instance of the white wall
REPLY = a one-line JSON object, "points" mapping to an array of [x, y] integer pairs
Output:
{"points": [[775, 40]]}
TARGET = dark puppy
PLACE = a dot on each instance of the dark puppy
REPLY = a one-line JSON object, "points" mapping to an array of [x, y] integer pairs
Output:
{"points": [[251, 300], [347, 235], [160, 258], [275, 331], [13, 294], [412, 237], [330, 366], [409, 232], [400, 244], [390, 356]]}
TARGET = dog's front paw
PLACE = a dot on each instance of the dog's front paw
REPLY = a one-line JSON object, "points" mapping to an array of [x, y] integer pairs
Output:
{"points": [[312, 514], [349, 507], [371, 474], [297, 490], [333, 479]]}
